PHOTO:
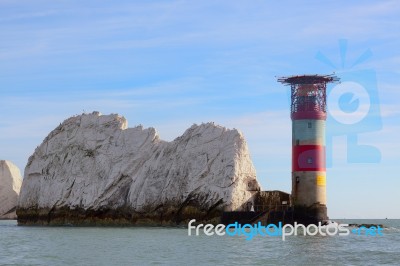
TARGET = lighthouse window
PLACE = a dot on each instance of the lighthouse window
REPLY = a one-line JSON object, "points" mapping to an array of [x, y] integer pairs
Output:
{"points": [[309, 160], [309, 124]]}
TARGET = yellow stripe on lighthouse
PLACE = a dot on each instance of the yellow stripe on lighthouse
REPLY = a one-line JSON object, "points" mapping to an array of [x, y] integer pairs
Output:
{"points": [[321, 180]]}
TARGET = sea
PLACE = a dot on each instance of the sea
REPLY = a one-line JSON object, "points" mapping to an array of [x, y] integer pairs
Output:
{"points": [[34, 245]]}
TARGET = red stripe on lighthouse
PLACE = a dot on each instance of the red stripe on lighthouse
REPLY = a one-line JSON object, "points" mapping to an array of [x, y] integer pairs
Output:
{"points": [[308, 158], [309, 115]]}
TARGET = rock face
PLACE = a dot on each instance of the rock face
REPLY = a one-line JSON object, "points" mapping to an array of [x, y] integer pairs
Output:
{"points": [[92, 169], [10, 184]]}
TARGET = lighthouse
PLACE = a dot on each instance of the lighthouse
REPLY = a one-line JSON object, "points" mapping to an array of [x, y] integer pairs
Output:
{"points": [[308, 114]]}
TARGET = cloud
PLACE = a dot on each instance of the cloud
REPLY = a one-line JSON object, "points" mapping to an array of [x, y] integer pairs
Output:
{"points": [[389, 110], [179, 23], [29, 128]]}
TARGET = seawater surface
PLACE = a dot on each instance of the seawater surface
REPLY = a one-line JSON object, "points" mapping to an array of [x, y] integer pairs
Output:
{"points": [[20, 245]]}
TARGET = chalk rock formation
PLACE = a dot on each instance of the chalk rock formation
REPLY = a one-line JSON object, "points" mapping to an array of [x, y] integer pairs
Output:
{"points": [[10, 184], [93, 169]]}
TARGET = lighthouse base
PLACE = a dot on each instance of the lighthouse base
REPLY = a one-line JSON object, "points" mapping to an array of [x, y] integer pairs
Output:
{"points": [[310, 214], [274, 207]]}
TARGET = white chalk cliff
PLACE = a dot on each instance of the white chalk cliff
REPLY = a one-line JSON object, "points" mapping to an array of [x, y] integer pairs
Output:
{"points": [[10, 184], [93, 169]]}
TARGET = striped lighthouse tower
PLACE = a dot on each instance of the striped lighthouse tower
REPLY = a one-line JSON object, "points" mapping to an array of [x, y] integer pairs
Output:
{"points": [[308, 113]]}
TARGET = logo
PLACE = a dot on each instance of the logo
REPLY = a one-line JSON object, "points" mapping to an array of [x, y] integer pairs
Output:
{"points": [[353, 106]]}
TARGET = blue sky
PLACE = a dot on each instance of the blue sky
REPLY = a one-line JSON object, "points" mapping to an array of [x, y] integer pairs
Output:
{"points": [[169, 64]]}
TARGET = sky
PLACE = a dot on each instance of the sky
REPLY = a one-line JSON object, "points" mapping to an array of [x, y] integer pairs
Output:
{"points": [[170, 64]]}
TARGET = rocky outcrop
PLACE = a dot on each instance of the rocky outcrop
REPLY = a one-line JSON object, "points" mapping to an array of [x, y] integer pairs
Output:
{"points": [[93, 169], [10, 184]]}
